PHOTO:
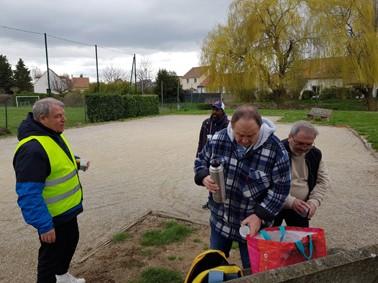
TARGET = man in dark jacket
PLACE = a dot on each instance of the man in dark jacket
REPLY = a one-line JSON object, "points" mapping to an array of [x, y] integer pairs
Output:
{"points": [[48, 188], [309, 177], [218, 120]]}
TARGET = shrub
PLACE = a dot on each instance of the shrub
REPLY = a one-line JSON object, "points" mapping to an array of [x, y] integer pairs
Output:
{"points": [[307, 94], [338, 93], [130, 106], [104, 107], [109, 107], [147, 104]]}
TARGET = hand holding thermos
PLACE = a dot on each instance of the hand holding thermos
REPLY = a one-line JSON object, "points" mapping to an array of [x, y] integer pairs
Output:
{"points": [[215, 182]]}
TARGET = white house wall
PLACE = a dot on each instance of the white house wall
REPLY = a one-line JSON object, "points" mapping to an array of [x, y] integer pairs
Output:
{"points": [[190, 83], [322, 83], [40, 85], [56, 84]]}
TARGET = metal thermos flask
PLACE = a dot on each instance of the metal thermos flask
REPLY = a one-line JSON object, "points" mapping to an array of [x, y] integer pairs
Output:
{"points": [[216, 173]]}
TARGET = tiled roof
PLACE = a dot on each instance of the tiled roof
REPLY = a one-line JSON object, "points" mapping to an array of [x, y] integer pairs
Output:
{"points": [[80, 82], [195, 72]]}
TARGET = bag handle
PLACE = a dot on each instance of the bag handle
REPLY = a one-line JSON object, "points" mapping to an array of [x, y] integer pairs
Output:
{"points": [[264, 234], [301, 248]]}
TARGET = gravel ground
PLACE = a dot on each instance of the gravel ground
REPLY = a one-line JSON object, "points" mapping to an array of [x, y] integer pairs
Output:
{"points": [[147, 163]]}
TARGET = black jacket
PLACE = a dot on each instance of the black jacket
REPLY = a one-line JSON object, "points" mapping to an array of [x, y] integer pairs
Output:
{"points": [[209, 127], [312, 158]]}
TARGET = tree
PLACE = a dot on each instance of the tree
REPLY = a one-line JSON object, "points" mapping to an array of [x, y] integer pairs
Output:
{"points": [[143, 73], [112, 74], [169, 80], [22, 78], [258, 46], [6, 75], [348, 29], [36, 73]]}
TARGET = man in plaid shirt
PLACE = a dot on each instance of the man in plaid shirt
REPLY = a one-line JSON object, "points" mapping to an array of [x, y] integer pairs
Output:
{"points": [[257, 178]]}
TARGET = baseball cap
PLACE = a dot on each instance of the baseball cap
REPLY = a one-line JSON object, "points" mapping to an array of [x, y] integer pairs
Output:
{"points": [[218, 105]]}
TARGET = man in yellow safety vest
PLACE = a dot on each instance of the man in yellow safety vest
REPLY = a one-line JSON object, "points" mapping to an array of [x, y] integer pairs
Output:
{"points": [[48, 188]]}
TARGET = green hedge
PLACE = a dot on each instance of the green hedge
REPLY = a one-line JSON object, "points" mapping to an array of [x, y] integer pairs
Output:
{"points": [[114, 107], [338, 93]]}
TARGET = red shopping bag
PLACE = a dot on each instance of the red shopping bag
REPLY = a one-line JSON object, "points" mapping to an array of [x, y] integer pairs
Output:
{"points": [[282, 246]]}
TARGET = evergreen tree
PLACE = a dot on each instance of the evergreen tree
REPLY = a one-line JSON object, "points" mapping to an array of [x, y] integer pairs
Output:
{"points": [[22, 78], [170, 81], [6, 75]]}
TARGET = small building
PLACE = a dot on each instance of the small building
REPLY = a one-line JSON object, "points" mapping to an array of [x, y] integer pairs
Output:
{"points": [[195, 80], [331, 72], [58, 84], [79, 84]]}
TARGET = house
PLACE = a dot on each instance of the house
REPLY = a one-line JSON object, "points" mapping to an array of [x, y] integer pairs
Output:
{"points": [[329, 72], [196, 80], [79, 84], [58, 84]]}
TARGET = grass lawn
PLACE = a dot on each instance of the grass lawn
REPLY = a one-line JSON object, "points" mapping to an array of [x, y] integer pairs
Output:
{"points": [[74, 115], [365, 123]]}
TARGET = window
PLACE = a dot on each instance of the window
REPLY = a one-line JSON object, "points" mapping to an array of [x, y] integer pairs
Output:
{"points": [[195, 80], [187, 81]]}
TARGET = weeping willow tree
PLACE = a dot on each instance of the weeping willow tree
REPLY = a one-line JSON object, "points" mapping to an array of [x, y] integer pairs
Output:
{"points": [[348, 28], [258, 47]]}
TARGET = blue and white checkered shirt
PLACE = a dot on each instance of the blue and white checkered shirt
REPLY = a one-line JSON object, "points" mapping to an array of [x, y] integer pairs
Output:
{"points": [[257, 181]]}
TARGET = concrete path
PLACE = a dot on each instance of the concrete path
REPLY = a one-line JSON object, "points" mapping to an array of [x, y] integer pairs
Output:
{"points": [[148, 164]]}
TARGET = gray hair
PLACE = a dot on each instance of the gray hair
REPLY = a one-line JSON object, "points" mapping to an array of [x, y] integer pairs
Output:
{"points": [[247, 112], [43, 106], [303, 126]]}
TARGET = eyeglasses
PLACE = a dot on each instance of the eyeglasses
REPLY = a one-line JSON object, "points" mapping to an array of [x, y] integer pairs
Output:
{"points": [[303, 144]]}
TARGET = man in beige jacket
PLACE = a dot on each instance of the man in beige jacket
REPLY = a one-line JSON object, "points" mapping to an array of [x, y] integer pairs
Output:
{"points": [[309, 177]]}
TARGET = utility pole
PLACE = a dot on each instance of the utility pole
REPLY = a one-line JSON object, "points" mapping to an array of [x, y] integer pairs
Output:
{"points": [[135, 74], [48, 69], [178, 93], [98, 81], [162, 92]]}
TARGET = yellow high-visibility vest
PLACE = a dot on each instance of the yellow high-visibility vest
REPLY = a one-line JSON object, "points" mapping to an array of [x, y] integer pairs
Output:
{"points": [[62, 189]]}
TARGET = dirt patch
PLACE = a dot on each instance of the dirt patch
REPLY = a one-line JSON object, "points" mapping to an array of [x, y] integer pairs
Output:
{"points": [[124, 261]]}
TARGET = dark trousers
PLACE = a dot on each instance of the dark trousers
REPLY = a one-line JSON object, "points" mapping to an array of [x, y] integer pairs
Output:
{"points": [[55, 258], [291, 218], [218, 242]]}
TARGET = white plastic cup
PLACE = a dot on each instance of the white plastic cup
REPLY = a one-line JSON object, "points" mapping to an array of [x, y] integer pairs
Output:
{"points": [[83, 164], [244, 231]]}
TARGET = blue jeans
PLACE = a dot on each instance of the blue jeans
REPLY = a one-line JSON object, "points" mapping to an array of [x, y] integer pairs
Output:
{"points": [[218, 242]]}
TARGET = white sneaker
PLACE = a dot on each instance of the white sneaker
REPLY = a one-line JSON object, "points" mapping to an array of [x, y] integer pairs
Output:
{"points": [[68, 278]]}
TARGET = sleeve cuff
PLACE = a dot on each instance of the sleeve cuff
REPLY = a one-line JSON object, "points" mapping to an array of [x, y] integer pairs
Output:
{"points": [[45, 228], [289, 202], [264, 214], [315, 202], [200, 175]]}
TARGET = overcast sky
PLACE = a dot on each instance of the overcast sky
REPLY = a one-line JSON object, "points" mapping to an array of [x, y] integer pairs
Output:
{"points": [[167, 33]]}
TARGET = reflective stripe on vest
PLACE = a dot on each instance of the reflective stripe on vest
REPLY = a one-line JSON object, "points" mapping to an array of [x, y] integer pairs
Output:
{"points": [[62, 189]]}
